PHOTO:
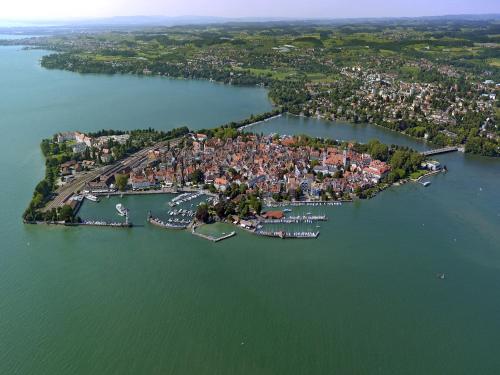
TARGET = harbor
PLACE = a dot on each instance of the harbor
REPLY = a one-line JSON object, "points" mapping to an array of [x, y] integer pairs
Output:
{"points": [[177, 212]]}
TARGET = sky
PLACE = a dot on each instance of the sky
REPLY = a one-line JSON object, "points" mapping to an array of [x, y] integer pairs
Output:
{"points": [[68, 9]]}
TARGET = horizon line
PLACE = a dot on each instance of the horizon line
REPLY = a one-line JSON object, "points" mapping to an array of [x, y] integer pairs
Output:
{"points": [[242, 18]]}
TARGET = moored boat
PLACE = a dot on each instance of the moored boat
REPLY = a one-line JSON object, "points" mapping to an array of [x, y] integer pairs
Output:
{"points": [[122, 211], [92, 198]]}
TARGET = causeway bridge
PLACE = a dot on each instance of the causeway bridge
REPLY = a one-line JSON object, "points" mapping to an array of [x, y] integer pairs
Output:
{"points": [[439, 151]]}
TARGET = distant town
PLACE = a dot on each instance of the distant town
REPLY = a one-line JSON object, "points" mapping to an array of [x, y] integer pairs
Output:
{"points": [[434, 81]]}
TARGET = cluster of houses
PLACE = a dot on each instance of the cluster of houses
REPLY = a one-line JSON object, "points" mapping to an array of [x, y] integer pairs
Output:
{"points": [[385, 95], [269, 163], [81, 142]]}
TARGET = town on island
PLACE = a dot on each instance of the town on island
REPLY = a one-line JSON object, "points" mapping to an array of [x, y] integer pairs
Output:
{"points": [[227, 175]]}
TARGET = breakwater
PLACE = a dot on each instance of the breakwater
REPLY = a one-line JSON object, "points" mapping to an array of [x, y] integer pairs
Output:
{"points": [[212, 238]]}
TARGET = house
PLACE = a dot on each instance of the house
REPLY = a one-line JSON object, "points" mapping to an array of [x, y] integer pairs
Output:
{"points": [[67, 167], [97, 187], [254, 181], [376, 170], [65, 136], [201, 137], [82, 138], [140, 182], [221, 183], [79, 148], [432, 165]]}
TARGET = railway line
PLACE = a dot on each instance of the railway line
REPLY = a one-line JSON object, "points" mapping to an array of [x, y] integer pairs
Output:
{"points": [[64, 192]]}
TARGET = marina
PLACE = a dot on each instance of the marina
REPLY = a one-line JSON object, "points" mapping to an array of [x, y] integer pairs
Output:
{"points": [[183, 198]]}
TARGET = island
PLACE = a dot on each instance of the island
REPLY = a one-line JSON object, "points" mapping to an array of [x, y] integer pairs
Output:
{"points": [[245, 177]]}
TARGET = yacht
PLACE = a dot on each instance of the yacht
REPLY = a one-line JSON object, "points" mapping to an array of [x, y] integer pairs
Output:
{"points": [[122, 211], [92, 198]]}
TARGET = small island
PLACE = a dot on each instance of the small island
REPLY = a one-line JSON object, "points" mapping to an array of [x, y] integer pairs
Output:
{"points": [[246, 177]]}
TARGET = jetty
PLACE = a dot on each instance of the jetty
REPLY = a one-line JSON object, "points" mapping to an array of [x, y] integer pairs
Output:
{"points": [[212, 238], [102, 223], [437, 151]]}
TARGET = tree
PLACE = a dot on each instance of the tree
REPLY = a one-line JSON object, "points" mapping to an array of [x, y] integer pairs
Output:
{"points": [[378, 150], [220, 209], [66, 213], [121, 181], [197, 176], [202, 213], [257, 206], [43, 188], [298, 193]]}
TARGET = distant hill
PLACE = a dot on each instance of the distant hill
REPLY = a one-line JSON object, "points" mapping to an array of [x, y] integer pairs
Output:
{"points": [[150, 21]]}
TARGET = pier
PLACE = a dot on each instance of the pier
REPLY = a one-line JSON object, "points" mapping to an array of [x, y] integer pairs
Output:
{"points": [[160, 223], [437, 151], [307, 203], [295, 220], [284, 235], [212, 238]]}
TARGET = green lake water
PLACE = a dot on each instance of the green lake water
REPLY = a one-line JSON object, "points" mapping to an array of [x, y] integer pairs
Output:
{"points": [[361, 299]]}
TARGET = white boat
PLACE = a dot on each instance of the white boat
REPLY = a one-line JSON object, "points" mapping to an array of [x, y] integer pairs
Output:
{"points": [[92, 198], [122, 211]]}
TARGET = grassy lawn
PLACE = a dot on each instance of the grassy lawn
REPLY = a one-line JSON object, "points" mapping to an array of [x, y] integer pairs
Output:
{"points": [[417, 174], [321, 77], [280, 75], [494, 62]]}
